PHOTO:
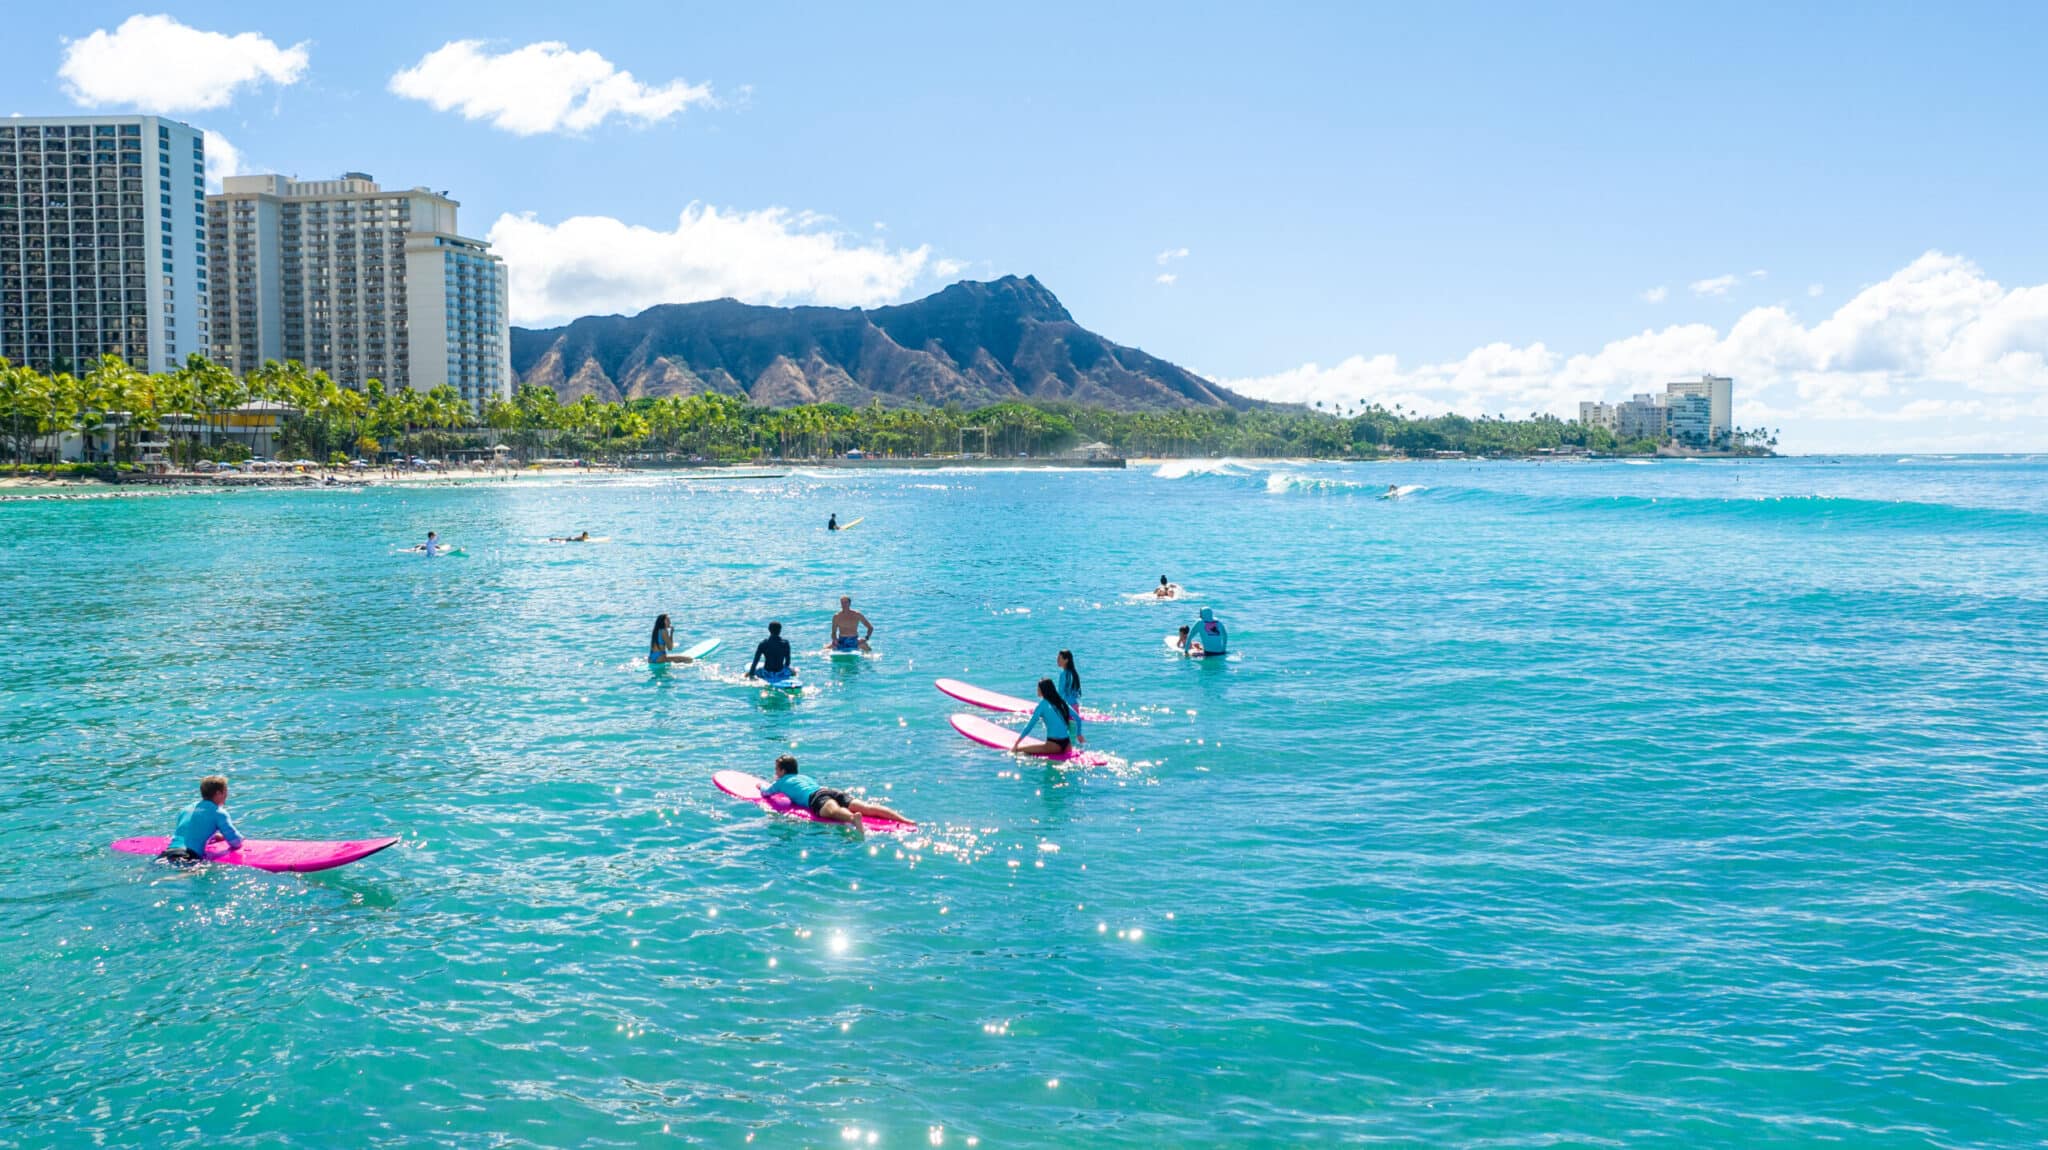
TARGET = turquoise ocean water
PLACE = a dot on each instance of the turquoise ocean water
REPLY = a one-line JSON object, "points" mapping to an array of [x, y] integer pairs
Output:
{"points": [[1599, 804]]}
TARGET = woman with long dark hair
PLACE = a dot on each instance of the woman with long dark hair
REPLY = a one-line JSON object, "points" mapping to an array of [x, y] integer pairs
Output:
{"points": [[662, 642], [1069, 683], [1053, 714]]}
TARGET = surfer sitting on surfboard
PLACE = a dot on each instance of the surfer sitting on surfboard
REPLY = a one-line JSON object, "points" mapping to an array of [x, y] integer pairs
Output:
{"points": [[1206, 637], [846, 627], [1062, 725], [771, 657], [824, 803], [662, 644], [832, 524], [1166, 589], [201, 821]]}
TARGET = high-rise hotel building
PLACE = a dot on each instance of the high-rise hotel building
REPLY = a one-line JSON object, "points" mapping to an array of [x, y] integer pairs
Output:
{"points": [[362, 283], [102, 241]]}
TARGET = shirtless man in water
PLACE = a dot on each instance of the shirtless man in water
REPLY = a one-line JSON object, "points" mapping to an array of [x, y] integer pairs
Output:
{"points": [[846, 627]]}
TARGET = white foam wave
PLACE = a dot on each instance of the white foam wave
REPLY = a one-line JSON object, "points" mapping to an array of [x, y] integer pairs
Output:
{"points": [[1282, 482], [1183, 468]]}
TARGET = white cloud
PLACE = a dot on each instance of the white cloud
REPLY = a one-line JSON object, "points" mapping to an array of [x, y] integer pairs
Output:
{"points": [[1172, 254], [1657, 294], [159, 65], [1719, 285], [222, 160], [1759, 274], [595, 265], [542, 87], [1165, 279], [1938, 356], [1814, 290]]}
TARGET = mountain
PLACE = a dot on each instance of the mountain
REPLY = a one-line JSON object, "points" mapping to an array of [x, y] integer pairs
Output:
{"points": [[972, 342]]}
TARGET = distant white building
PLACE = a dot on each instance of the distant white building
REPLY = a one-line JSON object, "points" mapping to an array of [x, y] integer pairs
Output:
{"points": [[1719, 392], [1697, 412], [359, 282], [1643, 417]]}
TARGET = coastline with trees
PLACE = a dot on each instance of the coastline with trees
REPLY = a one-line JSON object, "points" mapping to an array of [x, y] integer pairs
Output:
{"points": [[112, 408]]}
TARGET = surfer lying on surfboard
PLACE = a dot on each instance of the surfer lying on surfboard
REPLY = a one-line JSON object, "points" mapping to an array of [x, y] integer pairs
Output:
{"points": [[201, 821], [1166, 589], [771, 657], [846, 627], [583, 538], [824, 803], [1062, 725]]}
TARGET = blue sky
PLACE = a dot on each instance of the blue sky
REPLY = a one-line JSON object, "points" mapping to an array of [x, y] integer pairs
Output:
{"points": [[1481, 207]]}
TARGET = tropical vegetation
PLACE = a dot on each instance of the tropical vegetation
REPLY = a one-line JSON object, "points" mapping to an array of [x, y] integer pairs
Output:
{"points": [[122, 406]]}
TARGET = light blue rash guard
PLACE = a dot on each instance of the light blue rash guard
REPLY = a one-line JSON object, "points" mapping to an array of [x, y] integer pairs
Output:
{"points": [[1210, 636], [1069, 685], [1055, 727], [798, 787], [199, 823]]}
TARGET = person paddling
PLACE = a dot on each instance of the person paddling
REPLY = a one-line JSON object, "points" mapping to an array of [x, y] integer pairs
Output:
{"points": [[1062, 727], [1206, 637], [201, 821], [846, 627], [771, 658], [824, 803], [1166, 589]]}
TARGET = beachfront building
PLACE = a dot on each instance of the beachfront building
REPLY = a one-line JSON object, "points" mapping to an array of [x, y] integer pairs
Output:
{"points": [[102, 241], [1595, 414], [359, 282], [1690, 420], [1643, 417], [1719, 392]]}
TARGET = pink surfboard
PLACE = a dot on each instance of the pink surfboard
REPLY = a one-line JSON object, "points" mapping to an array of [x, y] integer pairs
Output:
{"points": [[741, 785], [988, 734], [975, 696], [268, 854]]}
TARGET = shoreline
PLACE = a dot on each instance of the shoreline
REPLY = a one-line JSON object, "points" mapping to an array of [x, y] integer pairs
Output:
{"points": [[25, 488]]}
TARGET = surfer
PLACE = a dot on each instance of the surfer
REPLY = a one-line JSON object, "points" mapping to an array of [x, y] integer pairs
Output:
{"points": [[846, 627], [1166, 589], [1207, 636], [771, 657], [832, 524], [201, 821], [1393, 491], [1062, 725], [433, 544], [1068, 682], [583, 538], [662, 644], [823, 802]]}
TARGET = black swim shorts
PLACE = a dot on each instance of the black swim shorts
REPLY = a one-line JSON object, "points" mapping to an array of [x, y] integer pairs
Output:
{"points": [[819, 796]]}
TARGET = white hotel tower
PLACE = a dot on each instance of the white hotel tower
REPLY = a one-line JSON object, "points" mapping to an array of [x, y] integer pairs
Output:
{"points": [[363, 283], [102, 241]]}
